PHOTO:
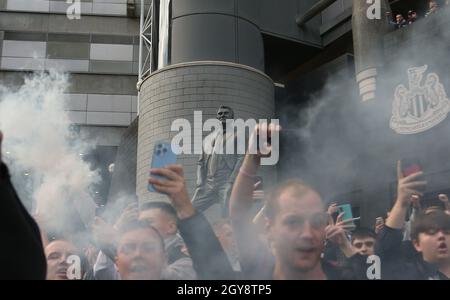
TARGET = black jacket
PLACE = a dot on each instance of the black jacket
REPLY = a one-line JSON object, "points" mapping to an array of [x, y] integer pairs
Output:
{"points": [[21, 254], [209, 259], [399, 259]]}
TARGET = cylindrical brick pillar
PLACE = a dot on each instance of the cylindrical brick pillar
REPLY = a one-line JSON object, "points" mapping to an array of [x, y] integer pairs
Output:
{"points": [[178, 90]]}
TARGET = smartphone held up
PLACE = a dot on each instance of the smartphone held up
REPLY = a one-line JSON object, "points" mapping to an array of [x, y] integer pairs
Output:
{"points": [[163, 156]]}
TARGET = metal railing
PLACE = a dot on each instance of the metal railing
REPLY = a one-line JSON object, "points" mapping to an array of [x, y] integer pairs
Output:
{"points": [[145, 40]]}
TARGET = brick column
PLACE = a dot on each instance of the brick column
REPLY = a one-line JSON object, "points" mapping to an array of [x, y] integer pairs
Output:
{"points": [[179, 90]]}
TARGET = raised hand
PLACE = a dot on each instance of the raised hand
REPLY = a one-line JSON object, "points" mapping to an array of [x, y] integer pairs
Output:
{"points": [[409, 186], [409, 190], [174, 186], [379, 224], [265, 130], [337, 233]]}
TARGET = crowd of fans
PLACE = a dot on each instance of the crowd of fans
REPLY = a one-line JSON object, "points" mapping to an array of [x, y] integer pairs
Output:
{"points": [[399, 21], [294, 236]]}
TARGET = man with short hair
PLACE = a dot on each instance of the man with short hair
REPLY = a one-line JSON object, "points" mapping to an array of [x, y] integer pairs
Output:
{"points": [[296, 224], [160, 215], [209, 259], [431, 238], [163, 218], [400, 21], [58, 253], [140, 253], [363, 241]]}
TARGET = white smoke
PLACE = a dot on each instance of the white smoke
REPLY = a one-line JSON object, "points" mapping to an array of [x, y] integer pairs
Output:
{"points": [[39, 141]]}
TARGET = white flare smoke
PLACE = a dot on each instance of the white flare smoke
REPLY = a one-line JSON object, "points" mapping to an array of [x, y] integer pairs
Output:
{"points": [[39, 141]]}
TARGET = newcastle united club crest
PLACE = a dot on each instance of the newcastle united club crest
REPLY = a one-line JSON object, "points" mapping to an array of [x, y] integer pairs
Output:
{"points": [[422, 106]]}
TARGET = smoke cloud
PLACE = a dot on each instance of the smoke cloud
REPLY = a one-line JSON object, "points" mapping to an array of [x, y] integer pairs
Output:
{"points": [[44, 152]]}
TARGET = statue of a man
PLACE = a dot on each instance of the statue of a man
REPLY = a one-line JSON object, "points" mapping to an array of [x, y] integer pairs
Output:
{"points": [[216, 172]]}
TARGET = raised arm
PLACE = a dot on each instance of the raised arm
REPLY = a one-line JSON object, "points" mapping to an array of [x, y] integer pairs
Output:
{"points": [[409, 188], [241, 202], [209, 259]]}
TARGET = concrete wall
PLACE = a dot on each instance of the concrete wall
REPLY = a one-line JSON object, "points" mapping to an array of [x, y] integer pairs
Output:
{"points": [[103, 63], [278, 18], [336, 21], [231, 30], [213, 30], [179, 90], [96, 7], [81, 53]]}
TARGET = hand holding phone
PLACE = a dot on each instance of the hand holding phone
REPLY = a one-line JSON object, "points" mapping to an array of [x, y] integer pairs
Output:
{"points": [[162, 157], [411, 185], [379, 221], [346, 209], [410, 166]]}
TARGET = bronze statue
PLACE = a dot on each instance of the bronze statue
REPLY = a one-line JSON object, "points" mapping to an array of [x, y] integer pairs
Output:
{"points": [[216, 173]]}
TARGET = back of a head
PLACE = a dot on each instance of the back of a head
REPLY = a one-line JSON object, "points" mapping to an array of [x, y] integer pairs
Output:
{"points": [[163, 206]]}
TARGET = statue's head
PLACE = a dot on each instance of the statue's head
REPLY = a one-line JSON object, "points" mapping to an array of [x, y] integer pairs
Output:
{"points": [[224, 113]]}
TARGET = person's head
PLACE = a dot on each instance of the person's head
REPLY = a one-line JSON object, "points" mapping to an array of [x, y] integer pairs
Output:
{"points": [[432, 208], [140, 252], [412, 14], [224, 113], [296, 223], [160, 215], [57, 254], [224, 233], [363, 241], [399, 18], [430, 234]]}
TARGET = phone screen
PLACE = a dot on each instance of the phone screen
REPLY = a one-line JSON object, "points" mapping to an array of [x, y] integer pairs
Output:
{"points": [[410, 166], [347, 210]]}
